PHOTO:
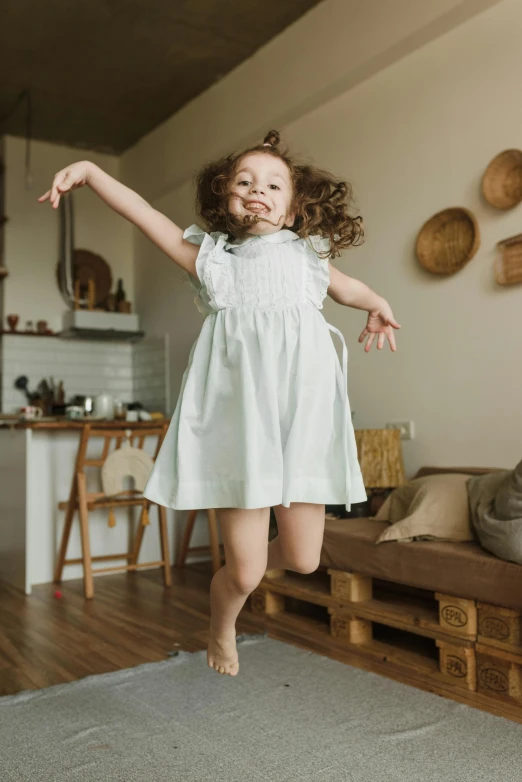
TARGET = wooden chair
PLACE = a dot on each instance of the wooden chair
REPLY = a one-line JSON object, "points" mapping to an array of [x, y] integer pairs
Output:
{"points": [[214, 547], [82, 501]]}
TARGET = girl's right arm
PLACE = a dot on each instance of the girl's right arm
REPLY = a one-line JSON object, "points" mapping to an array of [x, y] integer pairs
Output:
{"points": [[155, 225]]}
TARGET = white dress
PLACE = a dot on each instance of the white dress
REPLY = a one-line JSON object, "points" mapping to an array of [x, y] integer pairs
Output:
{"points": [[263, 416]]}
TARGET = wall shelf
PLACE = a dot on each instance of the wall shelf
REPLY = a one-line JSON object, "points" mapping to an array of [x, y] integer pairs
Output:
{"points": [[28, 333]]}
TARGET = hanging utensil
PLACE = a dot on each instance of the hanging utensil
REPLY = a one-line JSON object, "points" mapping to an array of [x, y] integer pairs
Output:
{"points": [[66, 249], [22, 384]]}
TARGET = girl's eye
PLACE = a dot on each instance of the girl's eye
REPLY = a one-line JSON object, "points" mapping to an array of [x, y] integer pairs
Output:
{"points": [[244, 182], [274, 187]]}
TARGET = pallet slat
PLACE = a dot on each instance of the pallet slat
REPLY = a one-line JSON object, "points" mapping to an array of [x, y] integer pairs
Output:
{"points": [[499, 674], [458, 615], [350, 587], [458, 664], [500, 627], [399, 617]]}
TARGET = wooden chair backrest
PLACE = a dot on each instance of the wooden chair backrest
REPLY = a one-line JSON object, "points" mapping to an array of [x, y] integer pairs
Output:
{"points": [[135, 435]]}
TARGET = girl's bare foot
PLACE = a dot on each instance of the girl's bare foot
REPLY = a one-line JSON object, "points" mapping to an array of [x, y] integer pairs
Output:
{"points": [[222, 653]]}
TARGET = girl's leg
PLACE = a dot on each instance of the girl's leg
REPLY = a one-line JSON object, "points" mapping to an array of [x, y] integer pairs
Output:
{"points": [[245, 538], [298, 543]]}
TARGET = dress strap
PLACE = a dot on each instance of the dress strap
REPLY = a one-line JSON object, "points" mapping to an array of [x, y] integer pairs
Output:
{"points": [[344, 355], [346, 433]]}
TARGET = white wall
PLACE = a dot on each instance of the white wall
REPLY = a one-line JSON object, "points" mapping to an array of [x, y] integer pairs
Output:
{"points": [[414, 138], [336, 45], [31, 235]]}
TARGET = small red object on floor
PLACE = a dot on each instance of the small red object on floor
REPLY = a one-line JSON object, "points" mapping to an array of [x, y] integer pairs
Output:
{"points": [[58, 594]]}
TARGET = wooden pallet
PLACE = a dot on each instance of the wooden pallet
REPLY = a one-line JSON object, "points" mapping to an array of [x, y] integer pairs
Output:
{"points": [[500, 627], [499, 653], [422, 638]]}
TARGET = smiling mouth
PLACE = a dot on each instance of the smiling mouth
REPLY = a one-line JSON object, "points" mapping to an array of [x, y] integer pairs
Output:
{"points": [[256, 207]]}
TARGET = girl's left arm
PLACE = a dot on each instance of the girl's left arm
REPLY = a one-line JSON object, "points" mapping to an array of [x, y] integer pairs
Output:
{"points": [[351, 292], [354, 293]]}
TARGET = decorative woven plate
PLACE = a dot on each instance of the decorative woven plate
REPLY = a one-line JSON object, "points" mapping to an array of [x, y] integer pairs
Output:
{"points": [[448, 240], [88, 265], [502, 180]]}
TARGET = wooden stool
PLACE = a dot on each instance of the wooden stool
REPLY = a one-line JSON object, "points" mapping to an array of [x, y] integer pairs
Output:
{"points": [[214, 547], [83, 501]]}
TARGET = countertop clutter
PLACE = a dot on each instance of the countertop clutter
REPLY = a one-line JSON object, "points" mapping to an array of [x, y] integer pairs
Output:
{"points": [[48, 402], [63, 423]]}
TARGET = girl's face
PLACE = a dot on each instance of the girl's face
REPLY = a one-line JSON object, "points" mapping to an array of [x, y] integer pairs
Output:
{"points": [[262, 186]]}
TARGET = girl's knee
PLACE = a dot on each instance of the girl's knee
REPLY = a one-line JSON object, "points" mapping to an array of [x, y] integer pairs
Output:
{"points": [[304, 563], [244, 581]]}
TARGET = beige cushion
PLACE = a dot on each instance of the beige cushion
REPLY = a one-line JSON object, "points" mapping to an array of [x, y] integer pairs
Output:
{"points": [[434, 507]]}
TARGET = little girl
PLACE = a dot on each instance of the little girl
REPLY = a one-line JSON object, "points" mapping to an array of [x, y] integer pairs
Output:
{"points": [[263, 418]]}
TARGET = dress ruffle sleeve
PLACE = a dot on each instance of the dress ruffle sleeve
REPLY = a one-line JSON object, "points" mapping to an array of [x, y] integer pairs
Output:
{"points": [[211, 254], [206, 243], [318, 276]]}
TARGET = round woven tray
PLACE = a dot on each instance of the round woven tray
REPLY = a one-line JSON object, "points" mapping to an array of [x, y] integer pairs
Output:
{"points": [[448, 240], [89, 265], [502, 180]]}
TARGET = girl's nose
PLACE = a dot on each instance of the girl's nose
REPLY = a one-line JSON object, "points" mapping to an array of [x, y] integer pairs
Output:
{"points": [[257, 189]]}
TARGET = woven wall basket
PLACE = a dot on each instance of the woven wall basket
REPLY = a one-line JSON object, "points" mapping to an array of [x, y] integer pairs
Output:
{"points": [[448, 240], [508, 267], [502, 180]]}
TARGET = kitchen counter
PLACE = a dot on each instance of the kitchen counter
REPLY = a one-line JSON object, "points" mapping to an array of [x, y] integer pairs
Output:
{"points": [[64, 424], [36, 467]]}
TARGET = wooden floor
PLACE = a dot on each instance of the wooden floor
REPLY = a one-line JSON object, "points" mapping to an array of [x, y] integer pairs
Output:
{"points": [[132, 619]]}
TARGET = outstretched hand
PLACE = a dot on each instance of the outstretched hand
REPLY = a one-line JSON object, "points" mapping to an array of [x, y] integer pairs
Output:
{"points": [[75, 175], [380, 324]]}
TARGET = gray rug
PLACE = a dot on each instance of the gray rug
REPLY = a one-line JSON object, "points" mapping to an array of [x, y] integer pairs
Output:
{"points": [[290, 715]]}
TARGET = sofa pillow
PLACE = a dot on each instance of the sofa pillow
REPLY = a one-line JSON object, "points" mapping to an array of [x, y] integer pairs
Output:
{"points": [[434, 507], [495, 502], [383, 514]]}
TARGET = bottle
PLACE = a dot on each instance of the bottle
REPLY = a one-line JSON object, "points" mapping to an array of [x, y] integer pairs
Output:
{"points": [[60, 394], [119, 410], [120, 295]]}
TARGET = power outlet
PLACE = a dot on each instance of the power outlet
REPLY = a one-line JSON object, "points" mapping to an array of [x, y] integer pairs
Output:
{"points": [[406, 428]]}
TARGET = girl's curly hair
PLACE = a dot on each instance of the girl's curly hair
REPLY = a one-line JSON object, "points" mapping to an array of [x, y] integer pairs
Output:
{"points": [[321, 203]]}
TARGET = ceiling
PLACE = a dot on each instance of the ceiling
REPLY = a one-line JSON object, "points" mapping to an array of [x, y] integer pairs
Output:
{"points": [[104, 73]]}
